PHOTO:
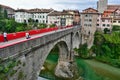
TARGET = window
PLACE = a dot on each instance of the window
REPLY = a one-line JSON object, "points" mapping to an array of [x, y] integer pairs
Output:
{"points": [[43, 21], [85, 20], [21, 16], [103, 24], [85, 24], [86, 15], [97, 24], [114, 21], [103, 20], [118, 21], [40, 16], [89, 25], [108, 25], [90, 20], [43, 16]]}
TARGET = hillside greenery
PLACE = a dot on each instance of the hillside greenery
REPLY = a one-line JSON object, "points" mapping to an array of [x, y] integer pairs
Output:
{"points": [[116, 28], [106, 48]]}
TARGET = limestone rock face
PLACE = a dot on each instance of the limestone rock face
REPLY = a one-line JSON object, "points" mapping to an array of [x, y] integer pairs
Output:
{"points": [[63, 69]]}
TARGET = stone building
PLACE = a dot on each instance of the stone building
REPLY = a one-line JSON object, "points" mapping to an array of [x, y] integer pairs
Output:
{"points": [[88, 22]]}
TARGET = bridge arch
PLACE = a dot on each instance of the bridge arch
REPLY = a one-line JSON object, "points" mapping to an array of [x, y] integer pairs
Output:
{"points": [[63, 53], [33, 52], [76, 40]]}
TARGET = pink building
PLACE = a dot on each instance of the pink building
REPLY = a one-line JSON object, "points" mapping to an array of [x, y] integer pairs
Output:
{"points": [[104, 22]]}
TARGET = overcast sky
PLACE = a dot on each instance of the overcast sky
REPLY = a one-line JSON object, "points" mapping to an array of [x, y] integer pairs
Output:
{"points": [[55, 4]]}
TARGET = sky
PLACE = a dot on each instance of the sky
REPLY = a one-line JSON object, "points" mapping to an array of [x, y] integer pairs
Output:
{"points": [[55, 4]]}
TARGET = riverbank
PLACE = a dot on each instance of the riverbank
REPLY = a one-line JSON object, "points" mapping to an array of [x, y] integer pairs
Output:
{"points": [[109, 72]]}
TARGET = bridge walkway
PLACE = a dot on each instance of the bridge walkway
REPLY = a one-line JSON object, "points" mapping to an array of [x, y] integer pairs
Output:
{"points": [[23, 39]]}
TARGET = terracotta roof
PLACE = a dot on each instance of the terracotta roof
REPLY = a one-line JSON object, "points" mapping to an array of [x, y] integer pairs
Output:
{"points": [[90, 10], [56, 13], [36, 10], [75, 12], [113, 7], [21, 10]]}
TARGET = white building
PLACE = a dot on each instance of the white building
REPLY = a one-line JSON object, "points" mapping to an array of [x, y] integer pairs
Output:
{"points": [[38, 15], [22, 15]]}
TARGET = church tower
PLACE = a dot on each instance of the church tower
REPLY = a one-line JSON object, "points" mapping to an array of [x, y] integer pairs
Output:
{"points": [[102, 5]]}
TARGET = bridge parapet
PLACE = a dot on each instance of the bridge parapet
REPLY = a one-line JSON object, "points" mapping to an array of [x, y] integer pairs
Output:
{"points": [[34, 43]]}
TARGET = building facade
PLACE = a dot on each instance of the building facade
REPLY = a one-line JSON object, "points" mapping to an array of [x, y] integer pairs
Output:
{"points": [[103, 23], [88, 22], [60, 18], [76, 15], [38, 15], [22, 15], [116, 17]]}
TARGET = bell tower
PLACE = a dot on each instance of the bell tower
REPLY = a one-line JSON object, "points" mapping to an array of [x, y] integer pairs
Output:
{"points": [[102, 5]]}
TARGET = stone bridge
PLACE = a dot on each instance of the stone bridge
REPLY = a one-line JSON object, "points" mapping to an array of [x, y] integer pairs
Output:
{"points": [[33, 53]]}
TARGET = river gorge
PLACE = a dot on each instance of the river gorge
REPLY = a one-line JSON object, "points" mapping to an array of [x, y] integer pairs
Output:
{"points": [[89, 69]]}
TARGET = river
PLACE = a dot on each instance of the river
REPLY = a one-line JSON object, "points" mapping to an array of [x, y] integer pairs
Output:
{"points": [[89, 69]]}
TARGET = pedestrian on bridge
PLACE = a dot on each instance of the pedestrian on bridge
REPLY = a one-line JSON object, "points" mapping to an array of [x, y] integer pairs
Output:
{"points": [[27, 35], [5, 36]]}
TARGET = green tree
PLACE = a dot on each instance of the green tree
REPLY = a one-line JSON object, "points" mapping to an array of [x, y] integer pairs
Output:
{"points": [[83, 51], [116, 28], [106, 30], [2, 25], [52, 25], [42, 25], [5, 14], [1, 13]]}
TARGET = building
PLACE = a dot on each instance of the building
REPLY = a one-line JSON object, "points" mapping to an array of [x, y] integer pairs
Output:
{"points": [[102, 5], [60, 18], [104, 22], [88, 22], [22, 15], [54, 18], [116, 17], [10, 11], [38, 15], [76, 15]]}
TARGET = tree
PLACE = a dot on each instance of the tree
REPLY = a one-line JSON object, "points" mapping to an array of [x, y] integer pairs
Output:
{"points": [[2, 25], [52, 25], [1, 13], [5, 14], [42, 25], [106, 30]]}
